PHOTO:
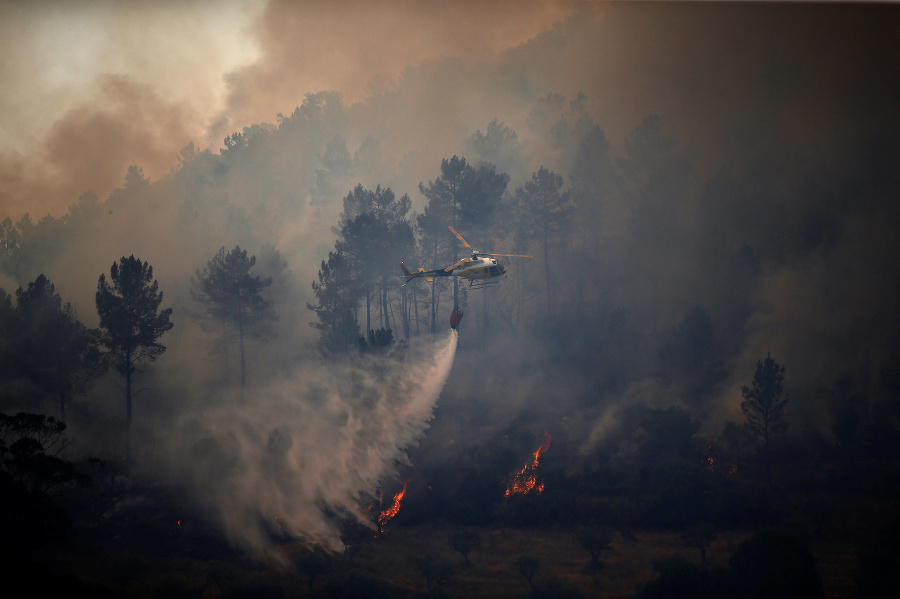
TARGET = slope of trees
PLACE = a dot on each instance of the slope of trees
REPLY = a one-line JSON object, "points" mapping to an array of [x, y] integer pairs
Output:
{"points": [[46, 346], [651, 290]]}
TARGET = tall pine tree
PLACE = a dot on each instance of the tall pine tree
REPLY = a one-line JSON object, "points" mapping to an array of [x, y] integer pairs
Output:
{"points": [[131, 322], [232, 297]]}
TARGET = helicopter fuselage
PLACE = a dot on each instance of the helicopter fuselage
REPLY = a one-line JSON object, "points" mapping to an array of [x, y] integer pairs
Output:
{"points": [[478, 268]]}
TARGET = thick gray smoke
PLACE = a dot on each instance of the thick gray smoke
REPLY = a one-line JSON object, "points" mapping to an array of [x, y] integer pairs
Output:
{"points": [[312, 446]]}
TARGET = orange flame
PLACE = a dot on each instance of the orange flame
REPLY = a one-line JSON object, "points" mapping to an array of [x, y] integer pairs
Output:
{"points": [[525, 480], [389, 513]]}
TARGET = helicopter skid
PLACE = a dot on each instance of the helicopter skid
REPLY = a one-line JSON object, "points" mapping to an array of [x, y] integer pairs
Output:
{"points": [[480, 284]]}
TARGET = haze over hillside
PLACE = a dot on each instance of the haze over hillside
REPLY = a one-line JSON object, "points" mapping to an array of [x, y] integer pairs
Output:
{"points": [[727, 191]]}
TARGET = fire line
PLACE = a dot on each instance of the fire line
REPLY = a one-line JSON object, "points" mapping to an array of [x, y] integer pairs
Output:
{"points": [[526, 480], [389, 513]]}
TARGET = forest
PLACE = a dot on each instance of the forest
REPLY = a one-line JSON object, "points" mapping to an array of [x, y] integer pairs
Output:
{"points": [[217, 382]]}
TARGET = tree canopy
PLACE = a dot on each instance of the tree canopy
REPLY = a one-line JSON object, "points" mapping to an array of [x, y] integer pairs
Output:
{"points": [[54, 349]]}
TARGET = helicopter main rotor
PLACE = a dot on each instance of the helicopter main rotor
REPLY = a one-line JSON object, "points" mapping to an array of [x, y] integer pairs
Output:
{"points": [[476, 253]]}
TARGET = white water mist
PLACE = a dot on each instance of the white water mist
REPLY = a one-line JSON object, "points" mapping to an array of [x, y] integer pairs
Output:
{"points": [[307, 449]]}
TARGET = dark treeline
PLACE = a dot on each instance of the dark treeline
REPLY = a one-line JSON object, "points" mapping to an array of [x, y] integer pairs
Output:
{"points": [[707, 339]]}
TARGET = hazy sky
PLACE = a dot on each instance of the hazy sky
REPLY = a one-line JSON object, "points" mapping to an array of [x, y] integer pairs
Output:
{"points": [[156, 75], [58, 55], [92, 87]]}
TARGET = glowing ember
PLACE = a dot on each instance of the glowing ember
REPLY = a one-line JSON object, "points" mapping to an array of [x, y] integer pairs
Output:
{"points": [[389, 513], [709, 462], [525, 480], [708, 459]]}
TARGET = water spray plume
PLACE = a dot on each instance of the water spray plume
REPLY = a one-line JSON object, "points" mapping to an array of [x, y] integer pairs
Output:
{"points": [[525, 480], [311, 447]]}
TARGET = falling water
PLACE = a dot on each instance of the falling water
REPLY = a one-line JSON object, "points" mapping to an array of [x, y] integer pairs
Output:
{"points": [[305, 451]]}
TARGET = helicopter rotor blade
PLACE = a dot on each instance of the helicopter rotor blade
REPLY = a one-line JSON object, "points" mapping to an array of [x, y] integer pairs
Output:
{"points": [[510, 255], [458, 236]]}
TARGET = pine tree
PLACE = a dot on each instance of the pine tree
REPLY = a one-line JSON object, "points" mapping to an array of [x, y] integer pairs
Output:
{"points": [[338, 294], [131, 323], [763, 405], [232, 296], [55, 350]]}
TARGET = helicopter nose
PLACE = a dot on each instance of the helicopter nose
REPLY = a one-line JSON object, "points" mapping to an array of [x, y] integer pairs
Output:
{"points": [[502, 270]]}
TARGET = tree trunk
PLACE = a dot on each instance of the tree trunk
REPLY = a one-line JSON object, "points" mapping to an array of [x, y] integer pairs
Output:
{"points": [[128, 368], [385, 318], [433, 309], [416, 308], [368, 309], [243, 363], [547, 268], [486, 326], [455, 258]]}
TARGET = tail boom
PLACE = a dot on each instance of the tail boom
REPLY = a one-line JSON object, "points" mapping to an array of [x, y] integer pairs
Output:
{"points": [[414, 275]]}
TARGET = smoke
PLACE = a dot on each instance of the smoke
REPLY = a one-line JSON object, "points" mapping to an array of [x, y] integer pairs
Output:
{"points": [[92, 87], [309, 449], [361, 47], [774, 94]]}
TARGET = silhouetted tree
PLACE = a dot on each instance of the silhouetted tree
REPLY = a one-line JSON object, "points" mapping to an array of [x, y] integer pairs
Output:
{"points": [[135, 179], [9, 369], [55, 350], [763, 405], [464, 196], [337, 164], [11, 250], [436, 572], [546, 212], [377, 340], [435, 243], [594, 540], [465, 541], [445, 195], [498, 145], [131, 322], [25, 245], [699, 536], [374, 237], [528, 566], [337, 293], [232, 296], [30, 475]]}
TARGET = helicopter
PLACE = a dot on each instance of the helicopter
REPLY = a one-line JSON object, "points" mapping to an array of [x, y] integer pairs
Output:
{"points": [[476, 269]]}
